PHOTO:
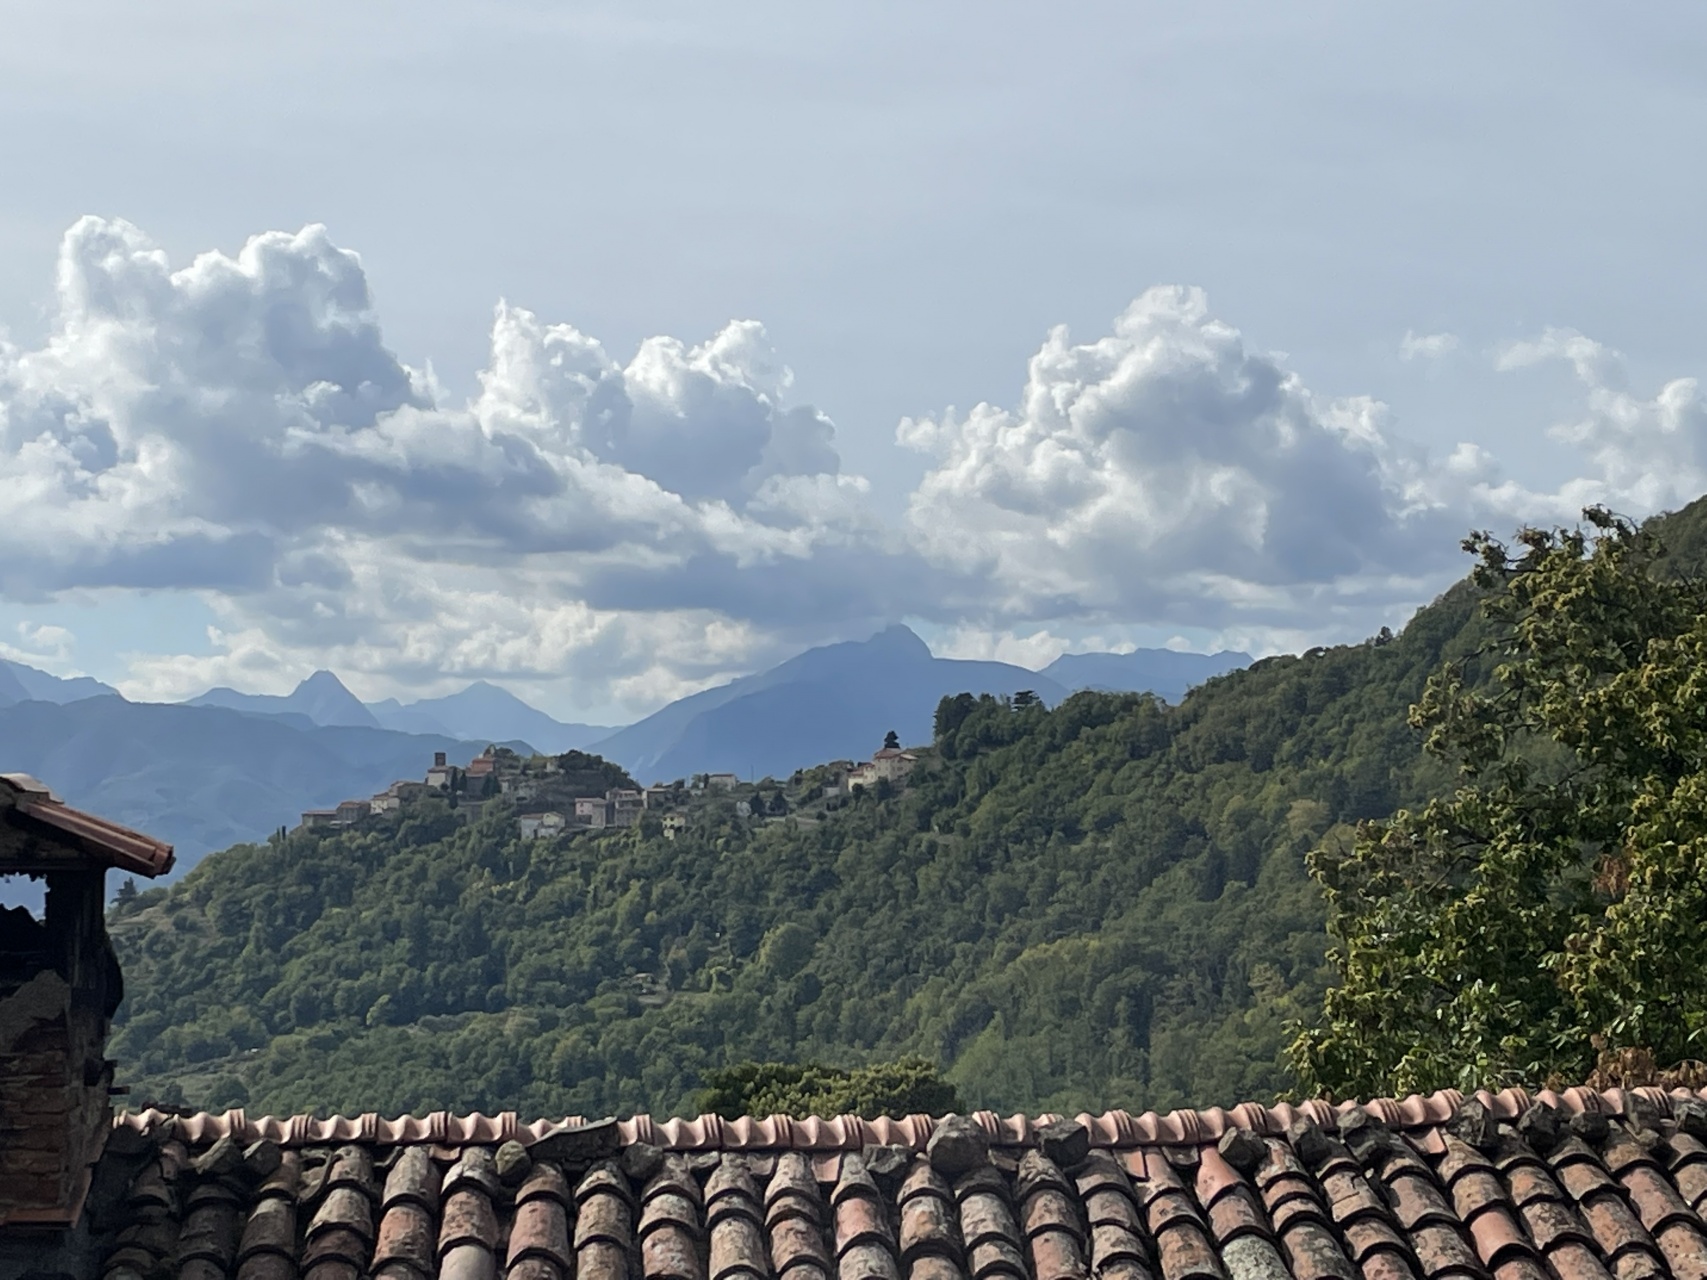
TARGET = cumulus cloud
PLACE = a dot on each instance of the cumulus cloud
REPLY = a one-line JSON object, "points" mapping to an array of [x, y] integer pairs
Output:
{"points": [[1646, 453], [239, 425], [1427, 346], [1166, 469], [44, 645], [624, 531]]}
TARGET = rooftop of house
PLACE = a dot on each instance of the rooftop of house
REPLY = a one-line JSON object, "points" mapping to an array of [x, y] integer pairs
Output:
{"points": [[1576, 1185], [39, 833]]}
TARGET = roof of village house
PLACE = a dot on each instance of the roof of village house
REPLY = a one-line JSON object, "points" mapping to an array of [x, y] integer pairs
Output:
{"points": [[1576, 1185], [39, 832]]}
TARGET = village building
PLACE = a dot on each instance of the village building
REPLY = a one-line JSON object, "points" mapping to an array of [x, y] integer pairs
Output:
{"points": [[439, 775], [592, 811], [625, 806], [351, 811], [722, 781], [889, 765], [518, 785], [659, 796], [312, 818], [385, 802], [892, 764], [674, 823], [535, 825]]}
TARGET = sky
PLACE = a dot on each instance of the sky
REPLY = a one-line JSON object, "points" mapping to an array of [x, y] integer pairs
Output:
{"points": [[608, 351]]}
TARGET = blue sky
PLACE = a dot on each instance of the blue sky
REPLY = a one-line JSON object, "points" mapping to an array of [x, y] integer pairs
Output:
{"points": [[779, 357]]}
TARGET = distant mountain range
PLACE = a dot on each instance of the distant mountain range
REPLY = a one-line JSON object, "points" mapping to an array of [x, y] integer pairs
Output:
{"points": [[228, 767], [19, 683], [205, 777], [485, 709], [838, 701], [480, 711]]}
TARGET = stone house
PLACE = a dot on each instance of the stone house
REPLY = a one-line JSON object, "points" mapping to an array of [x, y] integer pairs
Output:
{"points": [[59, 987], [518, 785], [439, 776], [535, 825], [625, 806]]}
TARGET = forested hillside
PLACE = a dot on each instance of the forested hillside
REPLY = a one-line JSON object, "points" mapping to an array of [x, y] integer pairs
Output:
{"points": [[1099, 904]]}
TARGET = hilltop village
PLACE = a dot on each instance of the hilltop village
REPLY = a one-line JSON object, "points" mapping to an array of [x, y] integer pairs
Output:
{"points": [[573, 792]]}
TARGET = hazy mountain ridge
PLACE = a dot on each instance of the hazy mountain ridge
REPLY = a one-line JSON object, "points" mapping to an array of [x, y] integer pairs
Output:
{"points": [[486, 709], [838, 701], [21, 683], [228, 767], [205, 777], [322, 698]]}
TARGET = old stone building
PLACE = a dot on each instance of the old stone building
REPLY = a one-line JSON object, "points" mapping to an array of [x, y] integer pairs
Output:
{"points": [[59, 987]]}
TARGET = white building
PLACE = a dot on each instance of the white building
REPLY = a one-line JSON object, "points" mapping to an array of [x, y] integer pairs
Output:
{"points": [[535, 825]]}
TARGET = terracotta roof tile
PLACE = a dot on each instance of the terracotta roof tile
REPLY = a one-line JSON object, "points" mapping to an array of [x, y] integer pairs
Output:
{"points": [[1250, 1194], [735, 1224], [30, 808], [1185, 1254]]}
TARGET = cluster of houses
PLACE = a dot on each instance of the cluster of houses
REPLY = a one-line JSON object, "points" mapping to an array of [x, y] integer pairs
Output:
{"points": [[891, 765], [496, 772], [441, 778]]}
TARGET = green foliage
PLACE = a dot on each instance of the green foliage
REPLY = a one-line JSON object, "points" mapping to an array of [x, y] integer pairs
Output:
{"points": [[1550, 902], [585, 774], [1100, 904], [909, 1086]]}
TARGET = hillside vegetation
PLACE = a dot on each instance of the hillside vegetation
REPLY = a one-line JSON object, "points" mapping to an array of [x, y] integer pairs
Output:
{"points": [[1099, 904]]}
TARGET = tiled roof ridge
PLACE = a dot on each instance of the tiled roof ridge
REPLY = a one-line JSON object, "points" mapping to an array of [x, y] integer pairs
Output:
{"points": [[1112, 1129], [112, 843]]}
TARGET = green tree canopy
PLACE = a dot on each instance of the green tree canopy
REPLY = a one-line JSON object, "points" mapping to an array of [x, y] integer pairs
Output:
{"points": [[1551, 903], [906, 1086]]}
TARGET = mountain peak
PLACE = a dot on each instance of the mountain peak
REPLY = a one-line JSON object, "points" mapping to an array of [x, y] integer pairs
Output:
{"points": [[322, 681], [325, 699], [897, 637]]}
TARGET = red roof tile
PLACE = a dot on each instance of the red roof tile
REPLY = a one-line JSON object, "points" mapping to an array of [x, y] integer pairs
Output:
{"points": [[72, 838], [1404, 1196]]}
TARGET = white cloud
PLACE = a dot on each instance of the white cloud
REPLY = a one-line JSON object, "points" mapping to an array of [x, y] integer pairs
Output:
{"points": [[238, 425], [1167, 470], [1427, 346], [624, 532], [1646, 453], [45, 646]]}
